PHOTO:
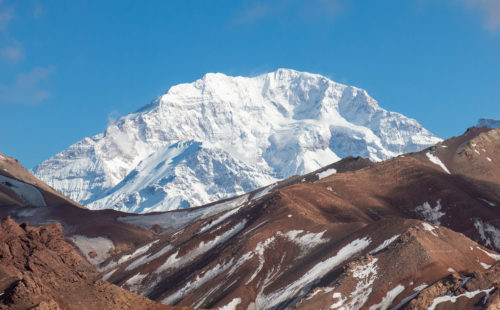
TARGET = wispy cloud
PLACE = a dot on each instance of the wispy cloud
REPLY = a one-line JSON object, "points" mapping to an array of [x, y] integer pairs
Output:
{"points": [[25, 87], [12, 54], [28, 87], [254, 13], [6, 15], [330, 8], [113, 116], [10, 51], [39, 12], [302, 9], [490, 9]]}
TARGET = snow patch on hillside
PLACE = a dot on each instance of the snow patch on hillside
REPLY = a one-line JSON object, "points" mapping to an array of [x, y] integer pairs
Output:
{"points": [[27, 192], [388, 298], [231, 305], [131, 256], [488, 233], [306, 241], [326, 173], [266, 190], [431, 214], [259, 251], [453, 299], [175, 261], [144, 259], [493, 256], [135, 282], [416, 291], [196, 283], [366, 275], [384, 244], [100, 247], [435, 160], [430, 228], [108, 275], [491, 204]]}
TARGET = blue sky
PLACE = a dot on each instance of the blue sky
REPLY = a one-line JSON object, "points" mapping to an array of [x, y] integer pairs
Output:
{"points": [[68, 67]]}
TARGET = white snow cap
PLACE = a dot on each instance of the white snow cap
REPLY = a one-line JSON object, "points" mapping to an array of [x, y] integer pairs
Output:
{"points": [[222, 136]]}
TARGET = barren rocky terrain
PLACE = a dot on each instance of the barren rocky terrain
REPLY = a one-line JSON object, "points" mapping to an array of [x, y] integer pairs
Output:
{"points": [[418, 231], [40, 270]]}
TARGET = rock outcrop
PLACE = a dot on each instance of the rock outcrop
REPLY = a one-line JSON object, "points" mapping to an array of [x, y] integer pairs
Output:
{"points": [[40, 270]]}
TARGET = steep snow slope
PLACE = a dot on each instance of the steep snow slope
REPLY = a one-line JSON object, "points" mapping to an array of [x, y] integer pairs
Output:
{"points": [[221, 136]]}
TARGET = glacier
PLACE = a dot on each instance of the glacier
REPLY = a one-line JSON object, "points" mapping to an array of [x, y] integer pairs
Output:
{"points": [[222, 136]]}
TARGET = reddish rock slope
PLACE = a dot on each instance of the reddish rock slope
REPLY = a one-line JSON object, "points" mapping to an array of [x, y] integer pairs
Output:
{"points": [[39, 270], [352, 235], [308, 235]]}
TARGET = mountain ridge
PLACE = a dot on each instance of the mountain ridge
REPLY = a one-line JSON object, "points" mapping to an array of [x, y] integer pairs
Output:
{"points": [[412, 231]]}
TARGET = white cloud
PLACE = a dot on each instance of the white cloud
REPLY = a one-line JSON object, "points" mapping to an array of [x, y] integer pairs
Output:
{"points": [[28, 88], [12, 53], [490, 9]]}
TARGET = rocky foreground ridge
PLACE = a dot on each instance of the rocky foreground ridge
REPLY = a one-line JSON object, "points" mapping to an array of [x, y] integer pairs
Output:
{"points": [[40, 270]]}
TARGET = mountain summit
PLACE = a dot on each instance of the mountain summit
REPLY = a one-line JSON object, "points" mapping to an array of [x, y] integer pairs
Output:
{"points": [[222, 136]]}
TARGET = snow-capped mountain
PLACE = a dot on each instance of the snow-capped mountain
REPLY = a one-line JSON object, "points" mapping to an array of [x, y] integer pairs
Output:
{"points": [[488, 122], [221, 136]]}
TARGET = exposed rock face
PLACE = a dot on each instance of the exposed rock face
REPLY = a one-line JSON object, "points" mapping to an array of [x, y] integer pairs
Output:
{"points": [[222, 136], [39, 270], [478, 290]]}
